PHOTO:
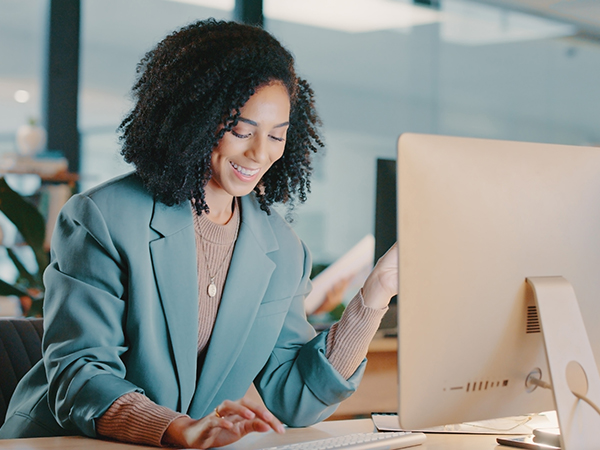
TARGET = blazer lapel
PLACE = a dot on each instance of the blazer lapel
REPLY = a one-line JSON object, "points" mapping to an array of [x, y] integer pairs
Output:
{"points": [[247, 282], [175, 269]]}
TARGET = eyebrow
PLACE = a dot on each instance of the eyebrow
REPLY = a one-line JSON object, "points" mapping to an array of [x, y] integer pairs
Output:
{"points": [[253, 123]]}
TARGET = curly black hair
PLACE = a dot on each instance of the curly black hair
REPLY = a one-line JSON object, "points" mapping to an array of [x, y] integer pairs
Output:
{"points": [[197, 79]]}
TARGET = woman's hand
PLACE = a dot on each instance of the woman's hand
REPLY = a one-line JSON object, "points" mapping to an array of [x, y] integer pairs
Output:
{"points": [[382, 283], [230, 421]]}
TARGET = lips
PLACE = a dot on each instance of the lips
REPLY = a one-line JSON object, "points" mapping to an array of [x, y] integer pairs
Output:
{"points": [[244, 171]]}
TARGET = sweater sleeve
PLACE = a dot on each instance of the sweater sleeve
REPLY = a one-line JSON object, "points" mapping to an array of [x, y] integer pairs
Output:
{"points": [[135, 418], [348, 340]]}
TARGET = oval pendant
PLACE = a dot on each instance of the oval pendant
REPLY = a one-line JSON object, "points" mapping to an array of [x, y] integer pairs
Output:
{"points": [[212, 290]]}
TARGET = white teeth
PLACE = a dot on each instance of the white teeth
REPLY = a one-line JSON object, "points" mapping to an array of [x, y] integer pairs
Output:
{"points": [[244, 171]]}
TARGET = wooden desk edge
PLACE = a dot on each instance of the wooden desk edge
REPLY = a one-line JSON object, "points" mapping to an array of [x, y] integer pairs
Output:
{"points": [[383, 345]]}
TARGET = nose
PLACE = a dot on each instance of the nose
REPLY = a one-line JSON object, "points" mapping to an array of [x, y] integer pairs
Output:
{"points": [[258, 150]]}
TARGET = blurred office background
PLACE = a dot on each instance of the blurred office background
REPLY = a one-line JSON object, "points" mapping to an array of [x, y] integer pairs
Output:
{"points": [[506, 69]]}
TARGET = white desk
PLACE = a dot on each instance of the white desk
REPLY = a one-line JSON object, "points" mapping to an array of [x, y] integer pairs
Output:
{"points": [[257, 441]]}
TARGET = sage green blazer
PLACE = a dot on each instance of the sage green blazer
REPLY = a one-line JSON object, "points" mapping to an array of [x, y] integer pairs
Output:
{"points": [[121, 315]]}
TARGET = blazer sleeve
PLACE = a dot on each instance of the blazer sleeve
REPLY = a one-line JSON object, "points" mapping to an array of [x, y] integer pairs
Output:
{"points": [[84, 312], [298, 384]]}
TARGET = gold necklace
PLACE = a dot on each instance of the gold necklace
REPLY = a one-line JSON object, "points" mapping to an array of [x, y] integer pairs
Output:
{"points": [[212, 287]]}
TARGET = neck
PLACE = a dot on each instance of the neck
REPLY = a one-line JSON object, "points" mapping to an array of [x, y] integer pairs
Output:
{"points": [[220, 204]]}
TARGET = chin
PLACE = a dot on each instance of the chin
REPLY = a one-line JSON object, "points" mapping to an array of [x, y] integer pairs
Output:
{"points": [[240, 192]]}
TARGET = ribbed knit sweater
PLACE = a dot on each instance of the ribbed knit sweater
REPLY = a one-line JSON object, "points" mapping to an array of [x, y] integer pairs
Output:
{"points": [[135, 418]]}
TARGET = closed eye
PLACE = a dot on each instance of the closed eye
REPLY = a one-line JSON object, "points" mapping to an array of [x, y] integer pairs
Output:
{"points": [[241, 136], [278, 139]]}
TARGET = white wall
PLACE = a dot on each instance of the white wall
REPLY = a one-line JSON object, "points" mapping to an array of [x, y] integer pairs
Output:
{"points": [[370, 87]]}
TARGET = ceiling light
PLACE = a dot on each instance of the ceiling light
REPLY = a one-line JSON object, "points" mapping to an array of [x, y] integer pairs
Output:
{"points": [[462, 22], [225, 5], [353, 16], [21, 96]]}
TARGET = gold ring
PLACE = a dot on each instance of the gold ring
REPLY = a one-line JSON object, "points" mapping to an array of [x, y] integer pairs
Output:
{"points": [[217, 414]]}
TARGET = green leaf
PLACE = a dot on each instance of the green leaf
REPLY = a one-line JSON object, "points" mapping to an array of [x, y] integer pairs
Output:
{"points": [[28, 220]]}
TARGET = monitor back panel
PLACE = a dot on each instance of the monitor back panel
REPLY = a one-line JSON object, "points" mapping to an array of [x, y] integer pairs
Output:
{"points": [[475, 218]]}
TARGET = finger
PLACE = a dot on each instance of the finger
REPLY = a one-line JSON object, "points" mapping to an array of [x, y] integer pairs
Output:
{"points": [[391, 253], [229, 408], [218, 432], [259, 425], [204, 432], [255, 425], [274, 423], [212, 421], [264, 414]]}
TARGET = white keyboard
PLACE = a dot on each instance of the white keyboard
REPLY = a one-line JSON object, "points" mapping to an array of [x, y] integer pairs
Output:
{"points": [[359, 441]]}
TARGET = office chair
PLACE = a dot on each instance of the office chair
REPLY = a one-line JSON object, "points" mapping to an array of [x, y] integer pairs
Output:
{"points": [[20, 349]]}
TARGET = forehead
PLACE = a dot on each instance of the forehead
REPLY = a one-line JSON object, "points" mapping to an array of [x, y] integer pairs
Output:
{"points": [[269, 102]]}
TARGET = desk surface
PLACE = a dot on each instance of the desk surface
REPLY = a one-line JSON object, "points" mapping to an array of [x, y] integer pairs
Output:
{"points": [[257, 441]]}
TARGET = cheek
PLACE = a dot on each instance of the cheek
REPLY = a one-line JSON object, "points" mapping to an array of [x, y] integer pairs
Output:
{"points": [[214, 160], [277, 154], [227, 146], [217, 162]]}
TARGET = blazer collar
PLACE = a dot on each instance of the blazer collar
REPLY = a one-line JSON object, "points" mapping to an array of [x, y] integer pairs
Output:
{"points": [[168, 220]]}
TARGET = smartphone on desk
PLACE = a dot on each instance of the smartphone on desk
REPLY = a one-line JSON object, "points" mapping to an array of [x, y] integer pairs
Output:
{"points": [[525, 442]]}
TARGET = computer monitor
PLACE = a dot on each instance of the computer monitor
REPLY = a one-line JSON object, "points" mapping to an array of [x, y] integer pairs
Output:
{"points": [[477, 219]]}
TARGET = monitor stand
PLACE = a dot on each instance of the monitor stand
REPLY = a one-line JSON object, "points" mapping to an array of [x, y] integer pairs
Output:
{"points": [[570, 362]]}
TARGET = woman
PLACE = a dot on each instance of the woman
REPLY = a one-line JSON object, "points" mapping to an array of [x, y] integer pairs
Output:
{"points": [[173, 288]]}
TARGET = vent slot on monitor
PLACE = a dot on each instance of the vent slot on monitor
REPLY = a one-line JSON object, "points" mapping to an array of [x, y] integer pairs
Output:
{"points": [[533, 320], [485, 385]]}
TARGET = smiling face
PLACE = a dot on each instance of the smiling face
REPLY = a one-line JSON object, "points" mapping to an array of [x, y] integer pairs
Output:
{"points": [[246, 152]]}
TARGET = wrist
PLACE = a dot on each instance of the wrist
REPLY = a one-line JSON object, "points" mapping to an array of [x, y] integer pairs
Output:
{"points": [[175, 433], [374, 294]]}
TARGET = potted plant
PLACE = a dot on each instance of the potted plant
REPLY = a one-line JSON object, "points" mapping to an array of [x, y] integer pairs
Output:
{"points": [[32, 227], [31, 138]]}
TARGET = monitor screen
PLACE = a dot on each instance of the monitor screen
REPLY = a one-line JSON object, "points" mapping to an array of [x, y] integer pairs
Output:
{"points": [[476, 218]]}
